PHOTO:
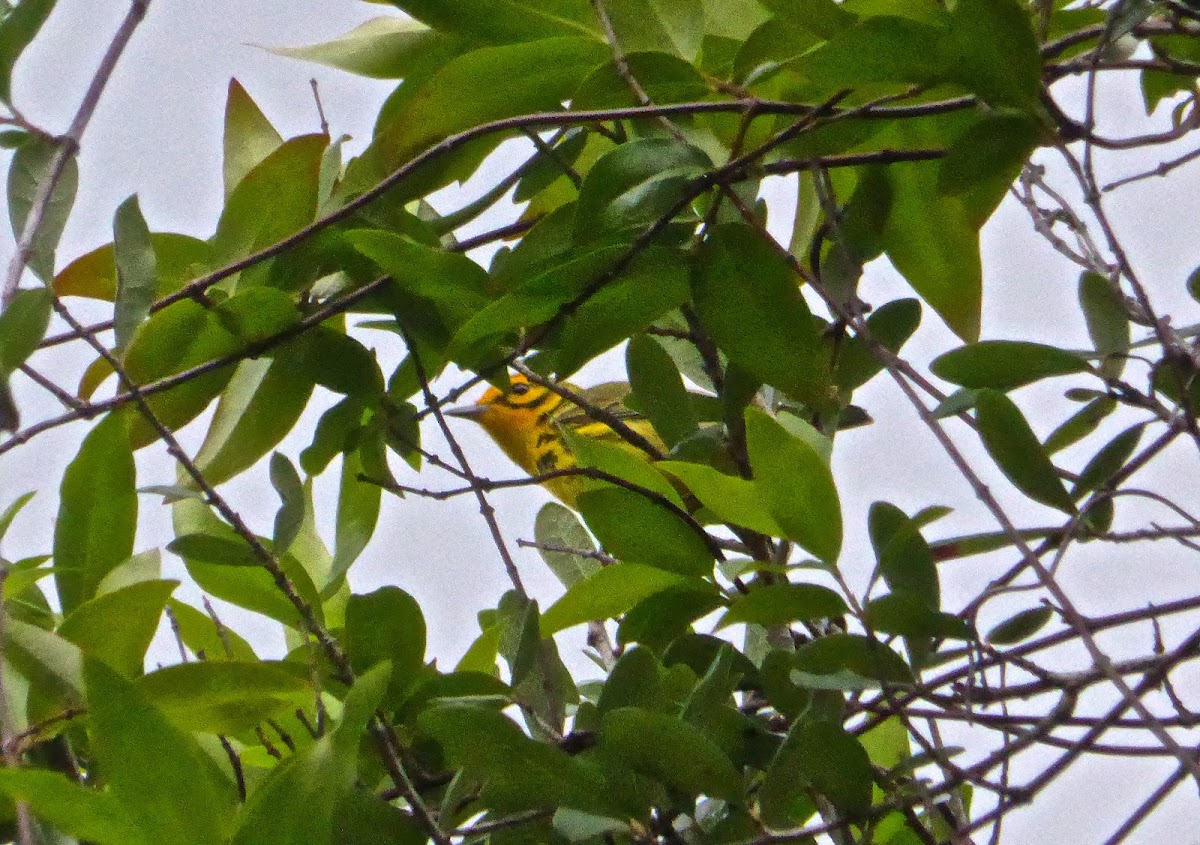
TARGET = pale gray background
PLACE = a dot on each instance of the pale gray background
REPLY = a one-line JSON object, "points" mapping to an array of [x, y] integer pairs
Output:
{"points": [[158, 133]]}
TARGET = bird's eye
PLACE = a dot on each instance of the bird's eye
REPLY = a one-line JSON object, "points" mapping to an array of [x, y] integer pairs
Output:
{"points": [[520, 388]]}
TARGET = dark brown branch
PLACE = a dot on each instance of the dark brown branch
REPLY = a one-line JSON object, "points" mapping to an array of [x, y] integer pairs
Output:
{"points": [[250, 351], [878, 110]]}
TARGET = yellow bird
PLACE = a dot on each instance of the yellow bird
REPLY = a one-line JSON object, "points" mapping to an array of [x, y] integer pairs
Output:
{"points": [[528, 421]]}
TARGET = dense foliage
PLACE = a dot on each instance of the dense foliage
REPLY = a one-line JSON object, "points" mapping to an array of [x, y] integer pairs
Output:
{"points": [[747, 692]]}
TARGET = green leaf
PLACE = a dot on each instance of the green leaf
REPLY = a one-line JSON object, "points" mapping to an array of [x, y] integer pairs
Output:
{"points": [[796, 485], [635, 184], [933, 238], [450, 284], [505, 21], [576, 826], [819, 755], [955, 548], [357, 515], [879, 50], [226, 696], [249, 136], [10, 513], [671, 26], [382, 48], [137, 274], [539, 76], [541, 684], [779, 604], [258, 407], [1020, 626], [749, 299], [208, 641], [517, 772], [308, 549], [276, 198], [833, 660], [909, 615], [185, 335], [658, 390], [733, 500], [639, 679], [362, 817], [668, 750], [334, 433], [904, 558], [666, 77], [1107, 319], [613, 590], [659, 619], [697, 652], [117, 627], [825, 18], [387, 625], [992, 50], [1158, 85], [23, 324], [517, 618], [97, 514], [342, 364], [1080, 424], [24, 574], [557, 526], [734, 19], [637, 530], [290, 516], [86, 814], [891, 325], [783, 797], [887, 744], [208, 548], [551, 165], [139, 568], [172, 790], [29, 168], [1108, 461], [773, 48], [10, 139], [531, 300], [957, 403], [18, 28], [1016, 450], [53, 666], [238, 582], [993, 148], [178, 259], [620, 461], [1005, 364], [298, 800], [10, 415], [653, 284]]}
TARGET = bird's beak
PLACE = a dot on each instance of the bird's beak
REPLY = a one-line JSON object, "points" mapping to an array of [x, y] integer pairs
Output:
{"points": [[467, 412]]}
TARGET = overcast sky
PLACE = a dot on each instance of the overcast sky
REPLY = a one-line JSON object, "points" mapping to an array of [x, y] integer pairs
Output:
{"points": [[158, 133]]}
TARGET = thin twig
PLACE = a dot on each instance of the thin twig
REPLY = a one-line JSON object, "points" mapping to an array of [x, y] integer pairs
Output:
{"points": [[68, 146], [252, 350], [485, 507], [621, 60], [385, 738], [880, 109]]}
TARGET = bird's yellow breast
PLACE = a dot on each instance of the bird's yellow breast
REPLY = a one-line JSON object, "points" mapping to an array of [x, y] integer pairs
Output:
{"points": [[528, 421]]}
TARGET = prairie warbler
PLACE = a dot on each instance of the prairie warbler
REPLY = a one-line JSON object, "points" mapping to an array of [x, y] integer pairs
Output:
{"points": [[528, 421]]}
